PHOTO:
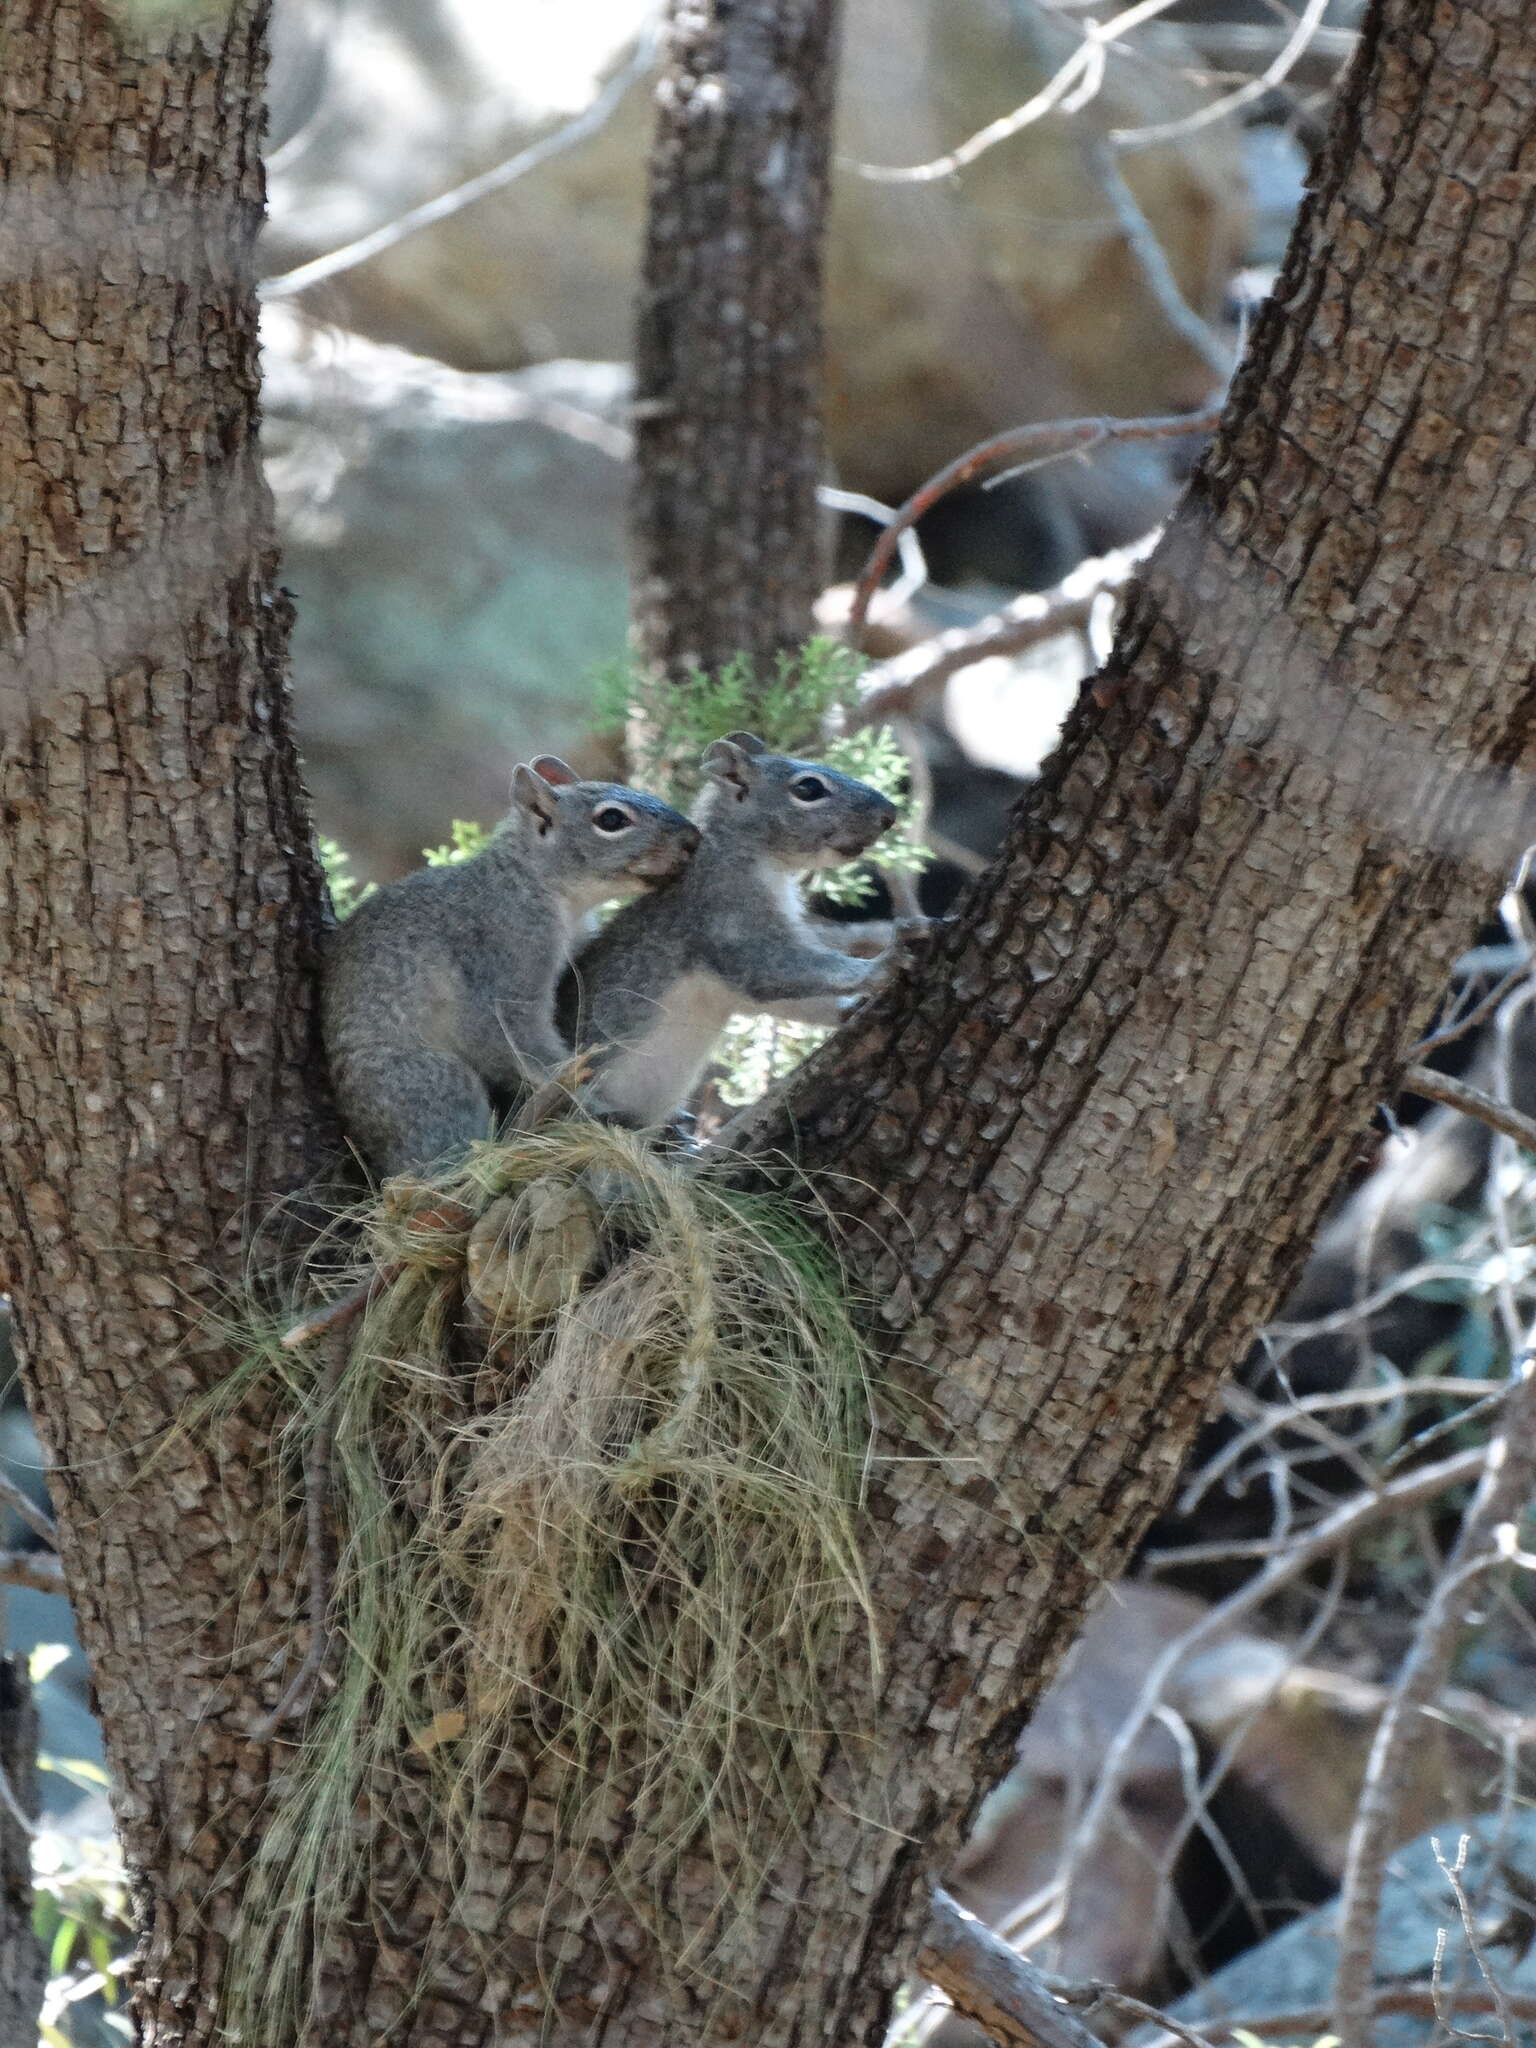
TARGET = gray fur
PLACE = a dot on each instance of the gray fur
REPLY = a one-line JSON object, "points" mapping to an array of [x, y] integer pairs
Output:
{"points": [[658, 983], [439, 991]]}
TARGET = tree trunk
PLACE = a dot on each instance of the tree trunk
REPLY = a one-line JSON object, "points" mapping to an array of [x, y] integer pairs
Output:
{"points": [[1094, 1125], [158, 899], [23, 1973], [728, 546]]}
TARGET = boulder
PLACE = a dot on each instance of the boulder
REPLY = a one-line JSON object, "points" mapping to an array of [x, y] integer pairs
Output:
{"points": [[455, 546], [956, 306], [1421, 1931]]}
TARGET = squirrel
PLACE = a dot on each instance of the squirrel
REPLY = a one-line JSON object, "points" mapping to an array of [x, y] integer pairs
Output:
{"points": [[438, 992], [657, 984]]}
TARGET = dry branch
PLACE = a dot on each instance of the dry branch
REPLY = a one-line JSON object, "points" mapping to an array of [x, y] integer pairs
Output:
{"points": [[902, 685], [1503, 1496], [992, 1984], [1031, 445], [1458, 1094], [26, 1510], [37, 1569]]}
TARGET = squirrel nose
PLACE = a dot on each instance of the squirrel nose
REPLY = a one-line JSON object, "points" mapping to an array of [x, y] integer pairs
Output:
{"points": [[690, 837]]}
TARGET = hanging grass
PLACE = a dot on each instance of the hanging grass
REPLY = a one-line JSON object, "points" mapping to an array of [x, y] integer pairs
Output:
{"points": [[597, 1522]]}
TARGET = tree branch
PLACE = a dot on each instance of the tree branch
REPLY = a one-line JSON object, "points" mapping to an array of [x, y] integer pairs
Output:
{"points": [[1475, 1102], [1503, 1496], [1031, 445], [992, 1984], [37, 1569], [902, 685]]}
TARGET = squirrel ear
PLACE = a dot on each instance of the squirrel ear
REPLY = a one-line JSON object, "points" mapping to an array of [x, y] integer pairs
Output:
{"points": [[557, 773], [748, 742], [532, 793], [730, 762]]}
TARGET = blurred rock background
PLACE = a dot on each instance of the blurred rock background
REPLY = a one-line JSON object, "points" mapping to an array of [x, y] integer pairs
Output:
{"points": [[445, 417]]}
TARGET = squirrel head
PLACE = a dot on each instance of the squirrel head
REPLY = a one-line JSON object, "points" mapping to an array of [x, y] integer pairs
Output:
{"points": [[800, 814], [596, 840]]}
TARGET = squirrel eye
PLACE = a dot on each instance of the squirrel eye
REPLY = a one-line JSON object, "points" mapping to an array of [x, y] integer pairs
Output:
{"points": [[810, 789], [611, 819]]}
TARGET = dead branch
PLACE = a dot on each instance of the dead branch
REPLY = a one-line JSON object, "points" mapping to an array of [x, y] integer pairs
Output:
{"points": [[1508, 1480], [26, 1510], [1290, 1556], [1032, 445], [1421, 2001], [1070, 86], [1091, 1995], [1273, 74], [1151, 260], [901, 686], [446, 204], [1456, 1094], [1451, 1872], [39, 1570], [993, 1985]]}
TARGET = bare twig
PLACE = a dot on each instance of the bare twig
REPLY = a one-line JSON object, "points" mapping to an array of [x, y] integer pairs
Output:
{"points": [[446, 204], [26, 1510], [1455, 1094], [1082, 69], [1295, 1555], [901, 686], [1074, 437], [1451, 1872], [1152, 261], [992, 1984], [1273, 74], [1480, 1012], [1095, 1994], [39, 1570], [1487, 1530], [1419, 2000]]}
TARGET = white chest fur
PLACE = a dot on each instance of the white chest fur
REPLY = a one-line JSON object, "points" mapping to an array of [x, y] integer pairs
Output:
{"points": [[657, 1067]]}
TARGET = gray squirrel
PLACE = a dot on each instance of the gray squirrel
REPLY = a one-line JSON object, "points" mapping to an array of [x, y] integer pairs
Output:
{"points": [[438, 992], [655, 987]]}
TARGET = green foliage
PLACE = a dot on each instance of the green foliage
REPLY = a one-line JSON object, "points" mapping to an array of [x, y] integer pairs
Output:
{"points": [[466, 839], [797, 709], [346, 890]]}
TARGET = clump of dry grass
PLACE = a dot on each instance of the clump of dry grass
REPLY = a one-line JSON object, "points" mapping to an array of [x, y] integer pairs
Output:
{"points": [[606, 1534]]}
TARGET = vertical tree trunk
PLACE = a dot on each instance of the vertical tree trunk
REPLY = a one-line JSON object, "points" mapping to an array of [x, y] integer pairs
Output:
{"points": [[727, 538], [22, 1969], [159, 1068]]}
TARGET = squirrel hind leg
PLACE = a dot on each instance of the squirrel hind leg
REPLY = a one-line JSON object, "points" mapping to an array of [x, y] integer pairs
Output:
{"points": [[414, 1113]]}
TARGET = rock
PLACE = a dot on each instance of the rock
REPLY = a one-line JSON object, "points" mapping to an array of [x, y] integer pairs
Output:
{"points": [[956, 307], [1293, 1972], [455, 545], [1299, 1738]]}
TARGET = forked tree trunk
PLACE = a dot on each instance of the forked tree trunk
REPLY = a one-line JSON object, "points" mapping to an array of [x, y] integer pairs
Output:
{"points": [[1093, 1127], [727, 537]]}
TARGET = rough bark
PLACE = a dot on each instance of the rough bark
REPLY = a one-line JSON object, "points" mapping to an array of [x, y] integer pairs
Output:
{"points": [[727, 539], [1094, 1125], [158, 898], [23, 1972]]}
